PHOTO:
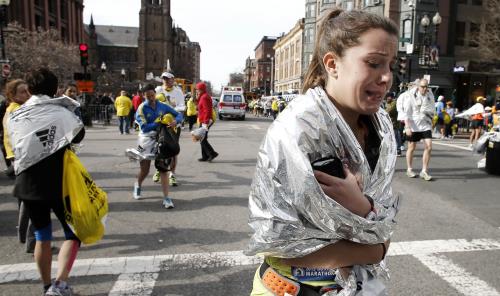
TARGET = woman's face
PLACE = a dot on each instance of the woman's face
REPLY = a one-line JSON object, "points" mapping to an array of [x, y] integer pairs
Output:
{"points": [[361, 78], [71, 92], [22, 94]]}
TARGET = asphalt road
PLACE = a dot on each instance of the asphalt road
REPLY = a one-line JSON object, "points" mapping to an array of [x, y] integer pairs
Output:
{"points": [[447, 241]]}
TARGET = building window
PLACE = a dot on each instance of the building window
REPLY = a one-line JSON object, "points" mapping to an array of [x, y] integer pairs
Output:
{"points": [[328, 1], [477, 2], [348, 5], [406, 31], [64, 10], [460, 33], [475, 29], [310, 10], [309, 35]]}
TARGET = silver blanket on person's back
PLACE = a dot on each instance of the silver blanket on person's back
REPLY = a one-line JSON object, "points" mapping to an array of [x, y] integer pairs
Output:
{"points": [[40, 127], [290, 214]]}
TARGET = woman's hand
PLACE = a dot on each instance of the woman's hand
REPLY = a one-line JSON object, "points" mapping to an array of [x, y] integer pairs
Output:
{"points": [[347, 192], [172, 124]]}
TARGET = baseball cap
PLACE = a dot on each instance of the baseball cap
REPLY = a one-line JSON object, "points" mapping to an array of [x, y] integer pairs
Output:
{"points": [[480, 98], [167, 75]]}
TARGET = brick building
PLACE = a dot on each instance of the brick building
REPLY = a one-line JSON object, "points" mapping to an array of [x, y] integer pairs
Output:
{"points": [[287, 60], [264, 56], [66, 16]]}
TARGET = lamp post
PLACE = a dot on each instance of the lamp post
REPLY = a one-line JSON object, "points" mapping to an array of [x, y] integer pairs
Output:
{"points": [[429, 53]]}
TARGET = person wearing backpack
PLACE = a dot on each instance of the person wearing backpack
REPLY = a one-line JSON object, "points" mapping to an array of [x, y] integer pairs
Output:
{"points": [[150, 116]]}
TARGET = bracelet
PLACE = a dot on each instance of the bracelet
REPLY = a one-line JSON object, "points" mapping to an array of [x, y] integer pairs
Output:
{"points": [[384, 248]]}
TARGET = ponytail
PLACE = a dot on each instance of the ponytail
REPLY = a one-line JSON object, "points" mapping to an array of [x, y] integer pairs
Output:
{"points": [[316, 75]]}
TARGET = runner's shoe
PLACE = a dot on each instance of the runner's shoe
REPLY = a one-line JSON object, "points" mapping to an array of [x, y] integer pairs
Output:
{"points": [[156, 176], [137, 191], [168, 203], [410, 173], [59, 289], [172, 181], [424, 175]]}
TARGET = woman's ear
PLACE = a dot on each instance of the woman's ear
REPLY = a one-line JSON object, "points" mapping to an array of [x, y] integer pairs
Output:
{"points": [[330, 64]]}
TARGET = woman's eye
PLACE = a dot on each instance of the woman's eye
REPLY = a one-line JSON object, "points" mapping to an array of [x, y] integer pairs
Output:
{"points": [[373, 65]]}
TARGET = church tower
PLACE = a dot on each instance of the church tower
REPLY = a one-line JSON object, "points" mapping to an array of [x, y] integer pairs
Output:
{"points": [[155, 34]]}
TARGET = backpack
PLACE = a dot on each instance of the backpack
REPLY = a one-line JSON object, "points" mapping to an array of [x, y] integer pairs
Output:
{"points": [[168, 146]]}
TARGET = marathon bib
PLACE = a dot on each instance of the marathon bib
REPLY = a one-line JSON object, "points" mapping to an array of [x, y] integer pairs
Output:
{"points": [[313, 274]]}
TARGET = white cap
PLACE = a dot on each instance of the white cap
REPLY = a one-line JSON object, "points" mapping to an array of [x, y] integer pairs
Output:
{"points": [[167, 75], [488, 108], [440, 98]]}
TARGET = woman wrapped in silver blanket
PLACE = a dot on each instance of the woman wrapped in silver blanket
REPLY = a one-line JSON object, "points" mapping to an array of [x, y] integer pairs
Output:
{"points": [[321, 203]]}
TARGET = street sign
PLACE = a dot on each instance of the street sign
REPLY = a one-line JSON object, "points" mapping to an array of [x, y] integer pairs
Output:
{"points": [[403, 39], [85, 86], [5, 70]]}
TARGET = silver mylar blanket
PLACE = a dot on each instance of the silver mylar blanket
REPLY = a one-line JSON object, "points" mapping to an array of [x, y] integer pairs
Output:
{"points": [[40, 127], [290, 214]]}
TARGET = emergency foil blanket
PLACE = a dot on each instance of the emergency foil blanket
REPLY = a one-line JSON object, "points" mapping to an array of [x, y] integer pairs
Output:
{"points": [[40, 127], [290, 214]]}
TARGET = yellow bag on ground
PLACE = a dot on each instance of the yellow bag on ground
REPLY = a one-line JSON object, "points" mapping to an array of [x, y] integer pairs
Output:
{"points": [[85, 204]]}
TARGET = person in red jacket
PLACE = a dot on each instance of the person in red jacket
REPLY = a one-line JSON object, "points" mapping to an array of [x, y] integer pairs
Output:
{"points": [[205, 119]]}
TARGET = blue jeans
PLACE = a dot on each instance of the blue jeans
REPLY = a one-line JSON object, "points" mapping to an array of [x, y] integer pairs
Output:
{"points": [[397, 135], [124, 124]]}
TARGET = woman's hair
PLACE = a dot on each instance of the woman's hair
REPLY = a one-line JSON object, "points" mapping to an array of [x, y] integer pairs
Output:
{"points": [[42, 82], [70, 84], [339, 31], [11, 89]]}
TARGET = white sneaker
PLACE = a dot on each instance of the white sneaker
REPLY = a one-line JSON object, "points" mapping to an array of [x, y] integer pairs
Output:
{"points": [[137, 191], [59, 289], [424, 175], [410, 173], [168, 203]]}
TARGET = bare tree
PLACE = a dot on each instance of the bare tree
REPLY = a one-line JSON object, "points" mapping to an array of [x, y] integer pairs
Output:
{"points": [[488, 40], [28, 50]]}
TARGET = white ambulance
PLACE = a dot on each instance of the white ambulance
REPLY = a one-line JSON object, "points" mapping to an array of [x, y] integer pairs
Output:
{"points": [[232, 103]]}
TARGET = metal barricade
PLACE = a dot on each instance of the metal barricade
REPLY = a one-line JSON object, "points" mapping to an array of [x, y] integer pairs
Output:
{"points": [[100, 114]]}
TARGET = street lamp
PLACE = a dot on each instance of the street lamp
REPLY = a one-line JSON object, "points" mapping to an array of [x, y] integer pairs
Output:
{"points": [[429, 54]]}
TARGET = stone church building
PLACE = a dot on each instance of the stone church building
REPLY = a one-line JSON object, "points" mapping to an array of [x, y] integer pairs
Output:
{"points": [[135, 53]]}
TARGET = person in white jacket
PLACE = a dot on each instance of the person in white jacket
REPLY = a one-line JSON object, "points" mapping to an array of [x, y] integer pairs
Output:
{"points": [[419, 111]]}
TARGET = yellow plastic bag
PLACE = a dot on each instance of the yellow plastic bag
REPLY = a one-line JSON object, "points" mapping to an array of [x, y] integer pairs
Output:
{"points": [[85, 204]]}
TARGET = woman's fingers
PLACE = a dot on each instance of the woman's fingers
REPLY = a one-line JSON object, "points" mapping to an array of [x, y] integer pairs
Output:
{"points": [[325, 178]]}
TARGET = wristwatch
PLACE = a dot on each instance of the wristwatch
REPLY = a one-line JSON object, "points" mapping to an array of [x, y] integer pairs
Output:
{"points": [[373, 212]]}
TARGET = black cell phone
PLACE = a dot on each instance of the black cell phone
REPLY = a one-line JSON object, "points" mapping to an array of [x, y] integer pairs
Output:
{"points": [[330, 165]]}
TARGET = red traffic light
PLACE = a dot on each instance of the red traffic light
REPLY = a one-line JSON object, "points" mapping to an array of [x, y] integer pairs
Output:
{"points": [[84, 47]]}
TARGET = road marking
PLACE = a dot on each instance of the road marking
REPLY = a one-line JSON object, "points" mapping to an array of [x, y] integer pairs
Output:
{"points": [[134, 284], [153, 264], [457, 277], [254, 126], [452, 145]]}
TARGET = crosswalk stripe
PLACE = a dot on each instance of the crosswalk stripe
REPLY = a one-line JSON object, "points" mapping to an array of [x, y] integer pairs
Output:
{"points": [[452, 145], [132, 284], [157, 263], [457, 277]]}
